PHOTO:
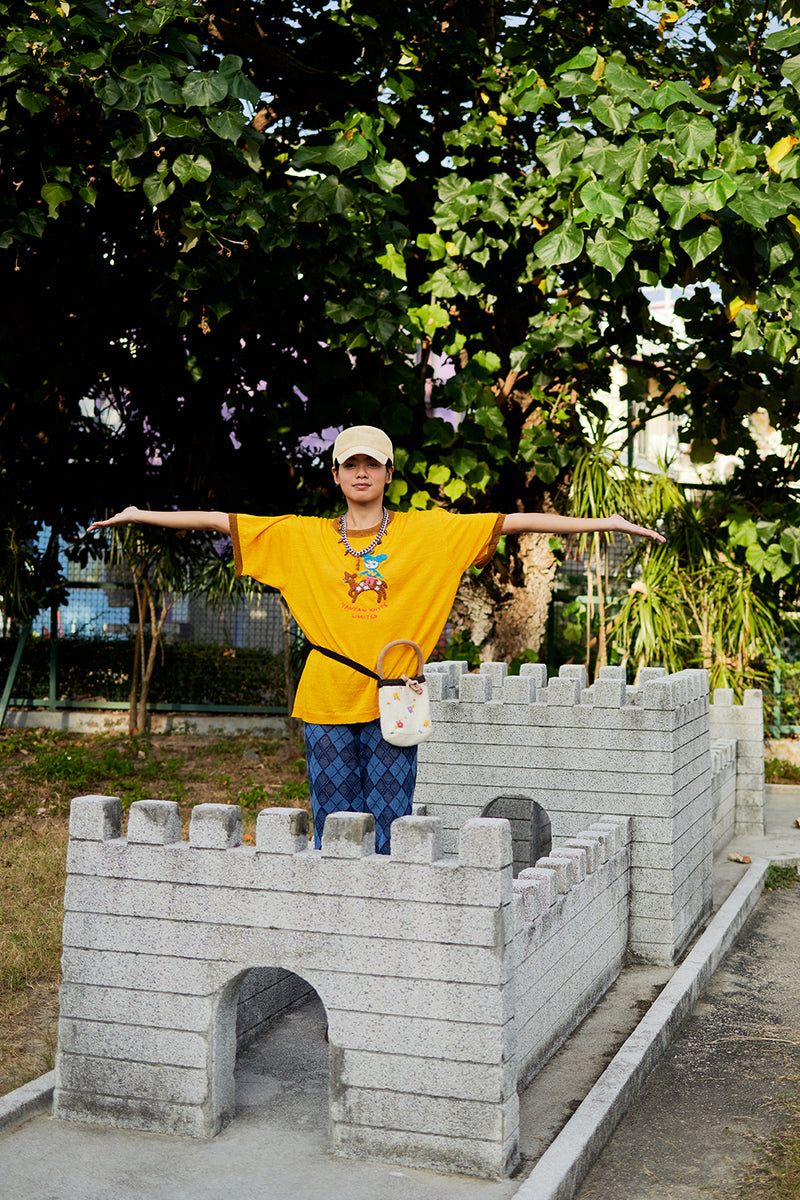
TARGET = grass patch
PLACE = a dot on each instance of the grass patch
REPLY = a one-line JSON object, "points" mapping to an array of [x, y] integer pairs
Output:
{"points": [[776, 1175], [781, 770], [32, 873], [40, 773], [778, 877]]}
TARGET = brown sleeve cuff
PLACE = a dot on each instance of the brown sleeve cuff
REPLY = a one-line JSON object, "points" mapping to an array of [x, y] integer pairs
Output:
{"points": [[237, 549], [497, 533]]}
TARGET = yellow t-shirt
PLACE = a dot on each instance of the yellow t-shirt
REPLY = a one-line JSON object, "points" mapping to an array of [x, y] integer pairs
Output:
{"points": [[354, 606]]}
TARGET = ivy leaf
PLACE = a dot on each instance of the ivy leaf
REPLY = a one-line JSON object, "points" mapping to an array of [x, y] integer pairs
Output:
{"points": [[428, 318], [188, 166], [791, 70], [703, 244], [438, 474], [53, 195], [454, 490], [35, 102], [615, 115], [563, 245], [204, 88], [240, 87], [609, 249], [156, 187], [392, 261], [603, 200], [681, 203], [345, 152], [584, 59], [693, 136], [790, 544], [388, 174], [228, 124], [555, 154], [642, 224]]}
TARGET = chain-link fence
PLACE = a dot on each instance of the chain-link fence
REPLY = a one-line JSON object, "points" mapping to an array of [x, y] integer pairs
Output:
{"points": [[81, 653]]}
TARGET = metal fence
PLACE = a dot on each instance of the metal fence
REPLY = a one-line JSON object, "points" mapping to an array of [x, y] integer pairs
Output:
{"points": [[80, 654], [782, 698]]}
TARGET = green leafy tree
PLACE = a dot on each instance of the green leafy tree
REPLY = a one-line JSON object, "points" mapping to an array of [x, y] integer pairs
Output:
{"points": [[227, 227]]}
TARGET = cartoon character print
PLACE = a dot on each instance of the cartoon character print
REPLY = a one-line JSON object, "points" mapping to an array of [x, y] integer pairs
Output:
{"points": [[368, 579]]}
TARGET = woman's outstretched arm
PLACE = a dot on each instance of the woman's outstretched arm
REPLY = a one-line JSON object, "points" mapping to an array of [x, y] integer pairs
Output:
{"points": [[556, 524], [216, 521]]}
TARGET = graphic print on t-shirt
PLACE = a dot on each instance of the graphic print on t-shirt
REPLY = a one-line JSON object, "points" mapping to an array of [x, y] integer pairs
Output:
{"points": [[368, 579]]}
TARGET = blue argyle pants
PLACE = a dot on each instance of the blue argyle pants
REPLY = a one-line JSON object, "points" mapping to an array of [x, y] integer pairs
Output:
{"points": [[352, 769]]}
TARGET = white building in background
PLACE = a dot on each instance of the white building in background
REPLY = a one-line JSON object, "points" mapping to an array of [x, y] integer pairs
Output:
{"points": [[663, 439]]}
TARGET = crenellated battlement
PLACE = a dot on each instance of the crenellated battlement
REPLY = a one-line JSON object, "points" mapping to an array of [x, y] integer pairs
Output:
{"points": [[438, 972], [578, 752], [531, 689], [447, 982]]}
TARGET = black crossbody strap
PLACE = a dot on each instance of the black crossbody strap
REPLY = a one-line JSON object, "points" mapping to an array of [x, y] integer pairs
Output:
{"points": [[346, 662]]}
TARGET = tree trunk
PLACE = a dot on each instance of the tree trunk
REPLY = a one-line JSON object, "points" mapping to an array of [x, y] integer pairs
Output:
{"points": [[504, 609]]}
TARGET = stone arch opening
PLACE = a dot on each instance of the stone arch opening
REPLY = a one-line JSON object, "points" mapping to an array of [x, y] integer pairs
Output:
{"points": [[531, 836], [267, 1045], [282, 1065]]}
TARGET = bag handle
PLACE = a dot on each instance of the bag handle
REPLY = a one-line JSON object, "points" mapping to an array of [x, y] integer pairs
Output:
{"points": [[400, 642]]}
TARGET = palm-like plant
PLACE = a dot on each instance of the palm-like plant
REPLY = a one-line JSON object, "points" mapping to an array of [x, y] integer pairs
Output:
{"points": [[692, 605], [602, 486]]}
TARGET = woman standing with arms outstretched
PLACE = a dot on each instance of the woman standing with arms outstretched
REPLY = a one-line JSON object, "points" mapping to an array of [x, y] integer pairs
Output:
{"points": [[355, 583]]}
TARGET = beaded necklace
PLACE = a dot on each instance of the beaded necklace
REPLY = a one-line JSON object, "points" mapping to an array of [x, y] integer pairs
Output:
{"points": [[376, 541]]}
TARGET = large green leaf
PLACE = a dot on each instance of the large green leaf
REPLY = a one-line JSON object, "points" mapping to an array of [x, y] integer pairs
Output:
{"points": [[609, 249], [563, 245], [791, 70], [346, 152], [790, 544], [191, 166], [615, 115], [694, 135], [700, 245], [597, 198], [388, 174], [202, 89], [157, 187], [55, 194], [393, 261], [642, 223], [227, 124], [681, 203]]}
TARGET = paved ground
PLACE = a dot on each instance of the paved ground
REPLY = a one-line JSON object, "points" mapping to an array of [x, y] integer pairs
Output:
{"points": [[684, 1138], [718, 1088]]}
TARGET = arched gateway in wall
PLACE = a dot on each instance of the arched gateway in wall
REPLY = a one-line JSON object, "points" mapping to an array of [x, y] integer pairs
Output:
{"points": [[426, 964]]}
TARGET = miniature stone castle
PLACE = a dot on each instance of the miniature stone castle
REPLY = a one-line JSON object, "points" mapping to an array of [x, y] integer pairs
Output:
{"points": [[447, 981]]}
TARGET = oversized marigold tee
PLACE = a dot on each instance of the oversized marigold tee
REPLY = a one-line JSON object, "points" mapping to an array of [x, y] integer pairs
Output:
{"points": [[404, 589]]}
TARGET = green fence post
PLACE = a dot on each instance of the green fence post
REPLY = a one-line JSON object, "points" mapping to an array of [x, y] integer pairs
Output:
{"points": [[12, 674], [53, 690], [777, 687]]}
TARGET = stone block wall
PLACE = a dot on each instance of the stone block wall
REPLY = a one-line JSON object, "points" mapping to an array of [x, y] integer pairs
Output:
{"points": [[723, 792], [571, 934], [582, 752], [744, 724], [408, 952], [445, 982]]}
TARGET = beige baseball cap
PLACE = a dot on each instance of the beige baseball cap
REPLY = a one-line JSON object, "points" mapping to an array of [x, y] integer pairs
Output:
{"points": [[363, 439]]}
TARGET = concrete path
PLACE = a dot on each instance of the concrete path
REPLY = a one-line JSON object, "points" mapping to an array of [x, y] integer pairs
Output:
{"points": [[719, 1087], [723, 1060]]}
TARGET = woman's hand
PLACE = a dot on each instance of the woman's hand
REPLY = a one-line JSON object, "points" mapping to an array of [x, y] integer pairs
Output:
{"points": [[128, 516], [620, 525], [217, 522]]}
